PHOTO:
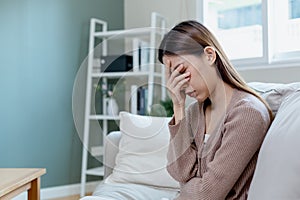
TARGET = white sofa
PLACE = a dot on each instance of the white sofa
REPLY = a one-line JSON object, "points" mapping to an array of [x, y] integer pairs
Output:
{"points": [[135, 157]]}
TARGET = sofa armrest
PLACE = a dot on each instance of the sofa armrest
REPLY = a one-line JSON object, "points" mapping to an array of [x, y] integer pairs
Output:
{"points": [[111, 149]]}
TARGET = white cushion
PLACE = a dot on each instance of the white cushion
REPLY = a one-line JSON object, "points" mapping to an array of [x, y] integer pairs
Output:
{"points": [[278, 168], [274, 93], [142, 156]]}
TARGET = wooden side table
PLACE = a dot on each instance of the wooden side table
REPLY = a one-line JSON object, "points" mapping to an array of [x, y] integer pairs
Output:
{"points": [[14, 181]]}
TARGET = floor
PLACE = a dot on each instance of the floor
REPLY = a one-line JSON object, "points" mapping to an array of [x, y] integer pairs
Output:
{"points": [[74, 197]]}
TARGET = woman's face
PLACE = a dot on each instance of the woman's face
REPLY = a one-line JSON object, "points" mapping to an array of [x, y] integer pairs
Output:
{"points": [[199, 83]]}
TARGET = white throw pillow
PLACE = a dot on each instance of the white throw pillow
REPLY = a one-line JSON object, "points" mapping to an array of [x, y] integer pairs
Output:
{"points": [[142, 156], [274, 93], [277, 174]]}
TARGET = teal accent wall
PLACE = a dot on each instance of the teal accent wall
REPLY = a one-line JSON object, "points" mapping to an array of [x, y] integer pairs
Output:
{"points": [[42, 44]]}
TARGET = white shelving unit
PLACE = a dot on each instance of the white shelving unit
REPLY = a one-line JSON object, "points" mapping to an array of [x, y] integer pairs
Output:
{"points": [[154, 33]]}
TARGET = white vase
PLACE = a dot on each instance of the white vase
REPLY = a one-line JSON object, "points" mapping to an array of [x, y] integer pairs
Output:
{"points": [[112, 107]]}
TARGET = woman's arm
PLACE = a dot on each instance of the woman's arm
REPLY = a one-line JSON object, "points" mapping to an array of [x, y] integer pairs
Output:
{"points": [[244, 131], [182, 152]]}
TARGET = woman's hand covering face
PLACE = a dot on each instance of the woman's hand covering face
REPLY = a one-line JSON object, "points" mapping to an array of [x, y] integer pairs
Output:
{"points": [[177, 81]]}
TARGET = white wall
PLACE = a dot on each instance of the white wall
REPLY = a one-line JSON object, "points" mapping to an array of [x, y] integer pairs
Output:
{"points": [[272, 74], [137, 14]]}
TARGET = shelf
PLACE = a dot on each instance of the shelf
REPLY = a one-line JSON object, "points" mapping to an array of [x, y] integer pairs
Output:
{"points": [[98, 171], [129, 33], [122, 74], [100, 117], [144, 69]]}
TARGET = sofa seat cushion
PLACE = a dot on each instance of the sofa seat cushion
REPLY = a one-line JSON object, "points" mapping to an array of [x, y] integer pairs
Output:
{"points": [[278, 167], [126, 191]]}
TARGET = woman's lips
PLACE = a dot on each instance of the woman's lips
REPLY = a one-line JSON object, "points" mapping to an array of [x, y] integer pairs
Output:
{"points": [[190, 93]]}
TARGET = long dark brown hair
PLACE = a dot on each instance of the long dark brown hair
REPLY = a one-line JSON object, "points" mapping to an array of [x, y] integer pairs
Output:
{"points": [[190, 38]]}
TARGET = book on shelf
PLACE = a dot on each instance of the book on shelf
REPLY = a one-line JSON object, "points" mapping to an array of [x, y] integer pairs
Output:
{"points": [[142, 100], [141, 55], [134, 99]]}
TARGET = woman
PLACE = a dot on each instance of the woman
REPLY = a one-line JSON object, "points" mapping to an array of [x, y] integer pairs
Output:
{"points": [[215, 142]]}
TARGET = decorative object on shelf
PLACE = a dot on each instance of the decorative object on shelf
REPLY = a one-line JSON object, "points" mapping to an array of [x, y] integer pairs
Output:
{"points": [[107, 90], [112, 107], [116, 63]]}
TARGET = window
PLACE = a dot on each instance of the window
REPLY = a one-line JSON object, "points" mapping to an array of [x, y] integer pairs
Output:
{"points": [[294, 9], [248, 15], [287, 27], [254, 31]]}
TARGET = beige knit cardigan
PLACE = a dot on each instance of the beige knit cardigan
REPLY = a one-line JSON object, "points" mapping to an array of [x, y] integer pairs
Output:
{"points": [[223, 167]]}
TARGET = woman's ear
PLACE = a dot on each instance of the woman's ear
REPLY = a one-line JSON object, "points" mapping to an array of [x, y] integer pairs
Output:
{"points": [[210, 54]]}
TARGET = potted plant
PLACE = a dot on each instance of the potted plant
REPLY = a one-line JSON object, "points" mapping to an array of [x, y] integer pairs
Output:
{"points": [[163, 109]]}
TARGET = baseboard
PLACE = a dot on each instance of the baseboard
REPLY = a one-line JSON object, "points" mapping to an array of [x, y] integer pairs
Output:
{"points": [[61, 191]]}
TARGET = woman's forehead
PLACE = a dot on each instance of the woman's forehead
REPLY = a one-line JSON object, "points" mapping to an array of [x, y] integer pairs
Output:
{"points": [[179, 59], [175, 58]]}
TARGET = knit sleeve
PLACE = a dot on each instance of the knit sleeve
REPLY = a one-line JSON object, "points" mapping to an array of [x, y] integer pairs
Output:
{"points": [[243, 133], [182, 152]]}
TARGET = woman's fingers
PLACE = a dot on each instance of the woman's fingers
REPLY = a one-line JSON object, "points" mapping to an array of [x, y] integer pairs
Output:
{"points": [[176, 72], [180, 69], [174, 80], [181, 82], [177, 84], [177, 80], [177, 91]]}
